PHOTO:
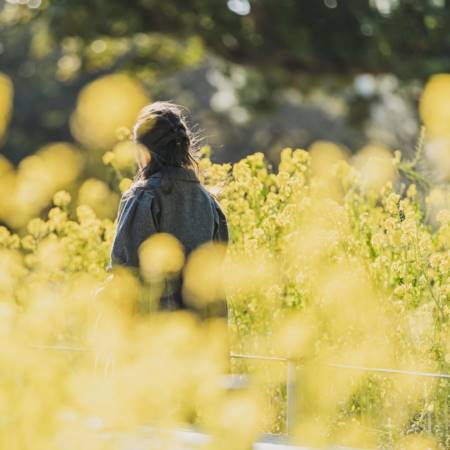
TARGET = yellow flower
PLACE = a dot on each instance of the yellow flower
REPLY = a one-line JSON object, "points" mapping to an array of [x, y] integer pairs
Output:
{"points": [[28, 242], [4, 235], [378, 239], [434, 103], [412, 191], [400, 291], [37, 227], [125, 153], [62, 198], [108, 158], [443, 216], [125, 184], [123, 133], [160, 256]]}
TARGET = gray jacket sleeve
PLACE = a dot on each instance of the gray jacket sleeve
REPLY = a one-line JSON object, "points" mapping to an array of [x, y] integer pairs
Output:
{"points": [[137, 220], [221, 227]]}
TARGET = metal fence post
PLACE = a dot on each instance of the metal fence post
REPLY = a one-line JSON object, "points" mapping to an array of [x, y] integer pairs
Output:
{"points": [[291, 394]]}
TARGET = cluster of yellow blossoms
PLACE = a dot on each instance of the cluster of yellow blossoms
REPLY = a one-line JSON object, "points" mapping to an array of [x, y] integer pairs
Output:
{"points": [[321, 268], [335, 262]]}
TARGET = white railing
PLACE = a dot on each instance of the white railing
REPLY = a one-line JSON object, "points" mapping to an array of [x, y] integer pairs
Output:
{"points": [[291, 381], [233, 382]]}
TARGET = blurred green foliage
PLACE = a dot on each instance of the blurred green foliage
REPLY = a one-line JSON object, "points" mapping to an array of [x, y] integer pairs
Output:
{"points": [[51, 48], [286, 38]]}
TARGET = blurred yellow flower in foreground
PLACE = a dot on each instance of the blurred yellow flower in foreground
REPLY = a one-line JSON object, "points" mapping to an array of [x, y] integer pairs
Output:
{"points": [[6, 97], [160, 256], [50, 254], [26, 191], [294, 336], [125, 184], [125, 154], [120, 290], [238, 420], [324, 154], [104, 108], [414, 442], [108, 158], [96, 194], [355, 435], [357, 280], [437, 200], [438, 153], [435, 105], [203, 275], [376, 167]]}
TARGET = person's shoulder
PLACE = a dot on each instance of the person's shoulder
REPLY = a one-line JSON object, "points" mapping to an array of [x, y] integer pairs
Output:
{"points": [[140, 191], [212, 195], [207, 193], [146, 187], [149, 184], [213, 199]]}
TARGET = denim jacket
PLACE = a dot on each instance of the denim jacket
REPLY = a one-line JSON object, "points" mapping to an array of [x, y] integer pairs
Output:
{"points": [[178, 205]]}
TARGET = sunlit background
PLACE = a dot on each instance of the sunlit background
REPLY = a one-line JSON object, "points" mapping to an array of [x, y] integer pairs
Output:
{"points": [[325, 128]]}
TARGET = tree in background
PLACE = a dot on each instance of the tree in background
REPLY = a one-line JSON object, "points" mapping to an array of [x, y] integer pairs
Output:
{"points": [[52, 48]]}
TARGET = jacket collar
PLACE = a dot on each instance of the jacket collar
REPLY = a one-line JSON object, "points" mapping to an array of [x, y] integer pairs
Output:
{"points": [[178, 173]]}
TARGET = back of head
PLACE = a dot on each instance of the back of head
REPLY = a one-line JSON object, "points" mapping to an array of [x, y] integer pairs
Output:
{"points": [[162, 130]]}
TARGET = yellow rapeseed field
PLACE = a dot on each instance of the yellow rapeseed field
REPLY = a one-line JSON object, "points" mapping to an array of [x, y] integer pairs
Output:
{"points": [[333, 260]]}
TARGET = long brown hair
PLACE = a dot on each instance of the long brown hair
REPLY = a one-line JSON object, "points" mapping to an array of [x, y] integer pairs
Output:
{"points": [[162, 129]]}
